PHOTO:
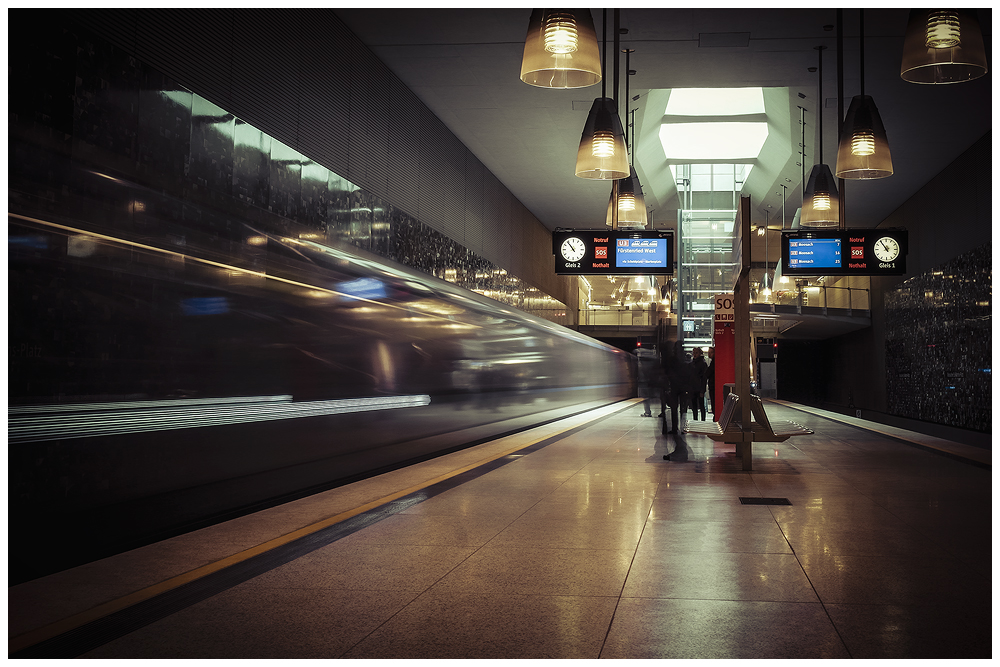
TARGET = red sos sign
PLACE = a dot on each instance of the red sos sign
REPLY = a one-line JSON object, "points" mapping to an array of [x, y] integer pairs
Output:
{"points": [[857, 252], [601, 252]]}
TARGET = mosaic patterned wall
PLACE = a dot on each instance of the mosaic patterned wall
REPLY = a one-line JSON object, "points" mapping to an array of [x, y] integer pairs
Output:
{"points": [[129, 118], [939, 344]]}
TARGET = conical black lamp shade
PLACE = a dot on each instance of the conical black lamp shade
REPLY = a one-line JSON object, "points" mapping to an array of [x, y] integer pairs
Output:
{"points": [[820, 202], [602, 154], [631, 203], [560, 49], [943, 46], [864, 148]]}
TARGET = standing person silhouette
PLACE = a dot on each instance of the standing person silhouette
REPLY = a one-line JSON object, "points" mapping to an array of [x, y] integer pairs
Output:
{"points": [[649, 382], [674, 388]]}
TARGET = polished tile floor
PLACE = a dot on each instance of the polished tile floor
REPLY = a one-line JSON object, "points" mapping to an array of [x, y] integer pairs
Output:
{"points": [[590, 546]]}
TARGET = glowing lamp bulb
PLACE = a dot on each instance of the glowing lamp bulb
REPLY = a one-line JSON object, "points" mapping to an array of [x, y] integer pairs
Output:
{"points": [[604, 143], [942, 30], [626, 201], [863, 143], [560, 35], [821, 201]]}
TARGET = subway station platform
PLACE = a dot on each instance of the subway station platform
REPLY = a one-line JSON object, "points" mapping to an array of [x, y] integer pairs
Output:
{"points": [[572, 540]]}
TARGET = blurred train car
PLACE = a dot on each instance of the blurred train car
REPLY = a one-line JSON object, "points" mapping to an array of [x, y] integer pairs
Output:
{"points": [[156, 386]]}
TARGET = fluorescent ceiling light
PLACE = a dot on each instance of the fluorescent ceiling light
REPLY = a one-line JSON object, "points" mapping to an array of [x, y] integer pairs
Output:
{"points": [[715, 101], [712, 141]]}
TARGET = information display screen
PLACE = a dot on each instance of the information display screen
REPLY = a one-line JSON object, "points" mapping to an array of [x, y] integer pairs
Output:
{"points": [[593, 252], [844, 252], [641, 253], [815, 253]]}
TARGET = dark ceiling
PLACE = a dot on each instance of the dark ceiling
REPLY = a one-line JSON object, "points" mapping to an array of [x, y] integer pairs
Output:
{"points": [[464, 65]]}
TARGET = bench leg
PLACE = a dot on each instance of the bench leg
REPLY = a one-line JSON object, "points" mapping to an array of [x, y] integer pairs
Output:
{"points": [[744, 450]]}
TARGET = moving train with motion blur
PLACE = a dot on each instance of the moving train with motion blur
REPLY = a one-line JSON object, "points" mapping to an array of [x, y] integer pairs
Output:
{"points": [[162, 378]]}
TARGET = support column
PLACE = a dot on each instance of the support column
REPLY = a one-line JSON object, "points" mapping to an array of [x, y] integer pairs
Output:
{"points": [[741, 325]]}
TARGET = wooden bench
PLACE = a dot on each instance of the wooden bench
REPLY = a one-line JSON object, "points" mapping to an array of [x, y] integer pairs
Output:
{"points": [[764, 430], [717, 430]]}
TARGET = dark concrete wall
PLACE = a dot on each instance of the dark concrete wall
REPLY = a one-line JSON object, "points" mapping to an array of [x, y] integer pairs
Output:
{"points": [[302, 77], [946, 219]]}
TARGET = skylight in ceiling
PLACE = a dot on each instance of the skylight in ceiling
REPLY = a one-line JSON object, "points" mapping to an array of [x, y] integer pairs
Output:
{"points": [[714, 177], [712, 141], [715, 101]]}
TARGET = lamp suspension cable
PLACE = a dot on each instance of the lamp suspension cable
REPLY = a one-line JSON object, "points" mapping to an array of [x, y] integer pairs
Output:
{"points": [[626, 197], [863, 141], [861, 46], [822, 103], [602, 154], [604, 53], [614, 184], [626, 193], [627, 53], [820, 203], [840, 107], [863, 153], [604, 142], [617, 43]]}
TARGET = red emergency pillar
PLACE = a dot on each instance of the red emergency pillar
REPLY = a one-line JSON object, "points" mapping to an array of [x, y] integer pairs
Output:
{"points": [[724, 363]]}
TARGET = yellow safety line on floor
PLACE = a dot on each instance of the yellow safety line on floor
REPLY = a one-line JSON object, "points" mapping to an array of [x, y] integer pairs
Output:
{"points": [[57, 628]]}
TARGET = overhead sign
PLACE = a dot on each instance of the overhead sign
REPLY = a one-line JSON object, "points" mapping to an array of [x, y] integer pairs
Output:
{"points": [[844, 252], [590, 252]]}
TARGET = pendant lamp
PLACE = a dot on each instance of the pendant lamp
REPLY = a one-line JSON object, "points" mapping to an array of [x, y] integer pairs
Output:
{"points": [[863, 153], [820, 201], [943, 46], [602, 154], [631, 203], [560, 50], [864, 149]]}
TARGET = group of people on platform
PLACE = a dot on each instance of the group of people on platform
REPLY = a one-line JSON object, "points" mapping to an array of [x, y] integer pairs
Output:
{"points": [[677, 382]]}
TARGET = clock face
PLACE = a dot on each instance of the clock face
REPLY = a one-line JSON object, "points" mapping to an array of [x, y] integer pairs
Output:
{"points": [[573, 249], [886, 249]]}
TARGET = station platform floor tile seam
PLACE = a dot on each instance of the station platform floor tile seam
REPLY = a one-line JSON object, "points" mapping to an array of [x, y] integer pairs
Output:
{"points": [[66, 637], [821, 572]]}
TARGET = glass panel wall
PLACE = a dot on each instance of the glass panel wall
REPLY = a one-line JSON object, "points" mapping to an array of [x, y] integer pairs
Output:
{"points": [[709, 195]]}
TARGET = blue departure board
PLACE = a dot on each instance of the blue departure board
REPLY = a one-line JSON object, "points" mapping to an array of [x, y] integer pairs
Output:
{"points": [[815, 253], [844, 252], [613, 252], [636, 253]]}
